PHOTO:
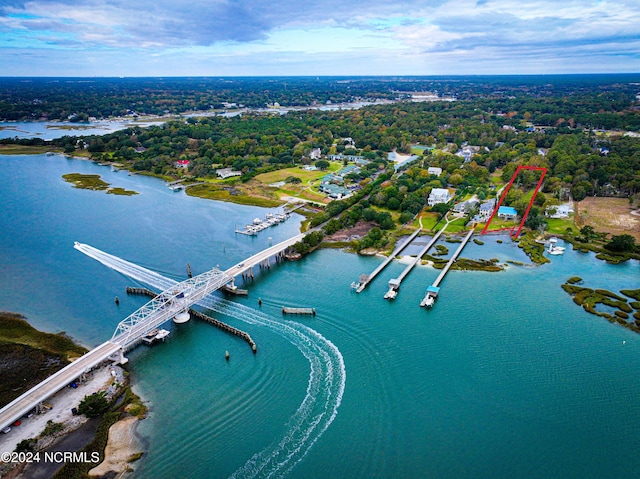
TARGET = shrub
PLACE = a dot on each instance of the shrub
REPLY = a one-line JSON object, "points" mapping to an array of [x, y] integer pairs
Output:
{"points": [[51, 428], [94, 405]]}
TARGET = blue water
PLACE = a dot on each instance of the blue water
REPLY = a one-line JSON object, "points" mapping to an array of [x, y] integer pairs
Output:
{"points": [[505, 377], [56, 129]]}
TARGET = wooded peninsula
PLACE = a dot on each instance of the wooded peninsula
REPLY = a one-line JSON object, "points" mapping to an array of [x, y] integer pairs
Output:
{"points": [[266, 140]]}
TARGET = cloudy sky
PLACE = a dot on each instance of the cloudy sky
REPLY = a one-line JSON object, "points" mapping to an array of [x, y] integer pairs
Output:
{"points": [[316, 37]]}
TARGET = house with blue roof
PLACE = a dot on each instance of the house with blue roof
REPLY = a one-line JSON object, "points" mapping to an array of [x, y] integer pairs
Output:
{"points": [[507, 213]]}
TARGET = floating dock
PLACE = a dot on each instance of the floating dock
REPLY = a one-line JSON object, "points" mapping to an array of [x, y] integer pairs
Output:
{"points": [[235, 290], [394, 284], [257, 225], [308, 311], [433, 290], [155, 336], [366, 279]]}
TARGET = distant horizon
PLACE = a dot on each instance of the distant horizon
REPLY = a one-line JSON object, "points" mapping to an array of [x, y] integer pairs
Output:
{"points": [[114, 38], [469, 75]]}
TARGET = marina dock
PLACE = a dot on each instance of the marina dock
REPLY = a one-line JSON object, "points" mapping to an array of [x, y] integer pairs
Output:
{"points": [[434, 289], [257, 225], [366, 279], [394, 284]]}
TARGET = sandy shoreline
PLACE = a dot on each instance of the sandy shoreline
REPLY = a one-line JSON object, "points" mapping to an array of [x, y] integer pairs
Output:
{"points": [[122, 445]]}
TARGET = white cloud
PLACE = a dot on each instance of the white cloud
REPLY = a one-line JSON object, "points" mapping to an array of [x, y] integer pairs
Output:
{"points": [[434, 36]]}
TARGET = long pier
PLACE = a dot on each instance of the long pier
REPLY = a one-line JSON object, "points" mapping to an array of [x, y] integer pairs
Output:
{"points": [[434, 289], [366, 279], [394, 284]]}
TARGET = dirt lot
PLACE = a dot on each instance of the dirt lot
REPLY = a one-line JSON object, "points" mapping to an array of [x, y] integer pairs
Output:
{"points": [[612, 215], [358, 231]]}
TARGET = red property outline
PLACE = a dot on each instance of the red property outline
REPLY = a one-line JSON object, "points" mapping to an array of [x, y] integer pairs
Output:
{"points": [[504, 194]]}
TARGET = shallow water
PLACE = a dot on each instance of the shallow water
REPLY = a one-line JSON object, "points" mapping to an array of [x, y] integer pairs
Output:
{"points": [[504, 377]]}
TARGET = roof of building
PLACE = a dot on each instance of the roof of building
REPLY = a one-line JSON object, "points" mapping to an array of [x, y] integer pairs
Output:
{"points": [[439, 192], [507, 210]]}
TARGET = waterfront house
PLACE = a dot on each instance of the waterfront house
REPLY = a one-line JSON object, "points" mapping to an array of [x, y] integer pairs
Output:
{"points": [[438, 195], [486, 209], [560, 211], [465, 206], [182, 164], [227, 173], [507, 213]]}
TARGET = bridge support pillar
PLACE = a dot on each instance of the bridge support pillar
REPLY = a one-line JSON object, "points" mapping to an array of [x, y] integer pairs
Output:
{"points": [[119, 357]]}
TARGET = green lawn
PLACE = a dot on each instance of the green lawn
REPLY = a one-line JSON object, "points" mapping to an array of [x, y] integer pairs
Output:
{"points": [[429, 220], [559, 226], [456, 226], [304, 175]]}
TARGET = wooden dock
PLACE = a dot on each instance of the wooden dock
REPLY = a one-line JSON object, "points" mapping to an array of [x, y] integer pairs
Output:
{"points": [[434, 289], [394, 284], [307, 311], [366, 279]]}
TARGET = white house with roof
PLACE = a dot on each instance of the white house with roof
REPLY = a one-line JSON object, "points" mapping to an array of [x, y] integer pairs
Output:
{"points": [[486, 209], [438, 195], [315, 154], [434, 170], [227, 173], [560, 211]]}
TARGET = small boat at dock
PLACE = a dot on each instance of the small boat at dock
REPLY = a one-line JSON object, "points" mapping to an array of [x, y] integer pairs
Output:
{"points": [[553, 249], [154, 336]]}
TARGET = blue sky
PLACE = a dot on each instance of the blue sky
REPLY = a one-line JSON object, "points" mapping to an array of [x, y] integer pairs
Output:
{"points": [[316, 37]]}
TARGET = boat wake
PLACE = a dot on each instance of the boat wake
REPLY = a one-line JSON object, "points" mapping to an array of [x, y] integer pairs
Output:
{"points": [[325, 387]]}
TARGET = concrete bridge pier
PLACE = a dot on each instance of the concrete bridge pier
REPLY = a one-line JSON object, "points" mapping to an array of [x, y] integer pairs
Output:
{"points": [[119, 357]]}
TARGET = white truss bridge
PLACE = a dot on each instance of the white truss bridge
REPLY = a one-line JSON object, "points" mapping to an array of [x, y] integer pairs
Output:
{"points": [[176, 299]]}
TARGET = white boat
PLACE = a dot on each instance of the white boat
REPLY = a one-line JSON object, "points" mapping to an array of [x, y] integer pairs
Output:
{"points": [[553, 249], [391, 294], [163, 333]]}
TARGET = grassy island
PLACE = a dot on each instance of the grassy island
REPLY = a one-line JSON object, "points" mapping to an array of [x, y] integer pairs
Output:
{"points": [[619, 309], [465, 264], [533, 249], [94, 182]]}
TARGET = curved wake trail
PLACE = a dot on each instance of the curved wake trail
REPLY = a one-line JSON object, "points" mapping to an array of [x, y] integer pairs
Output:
{"points": [[325, 387]]}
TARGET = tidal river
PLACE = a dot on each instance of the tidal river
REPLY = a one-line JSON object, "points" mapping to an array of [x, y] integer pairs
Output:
{"points": [[504, 378]]}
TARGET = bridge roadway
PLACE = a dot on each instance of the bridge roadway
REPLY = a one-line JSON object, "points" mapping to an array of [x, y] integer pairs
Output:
{"points": [[47, 388], [131, 330]]}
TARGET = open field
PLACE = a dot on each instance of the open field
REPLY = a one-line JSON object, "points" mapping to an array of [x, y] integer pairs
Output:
{"points": [[25, 150], [304, 175], [559, 226], [612, 215]]}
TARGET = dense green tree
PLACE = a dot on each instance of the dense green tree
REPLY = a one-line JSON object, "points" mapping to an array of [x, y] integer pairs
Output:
{"points": [[94, 404], [622, 244]]}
